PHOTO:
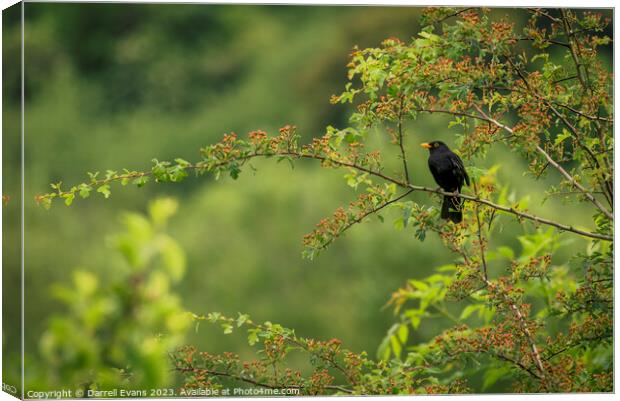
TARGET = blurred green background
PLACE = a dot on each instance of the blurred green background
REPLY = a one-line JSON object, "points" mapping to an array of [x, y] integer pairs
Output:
{"points": [[112, 86]]}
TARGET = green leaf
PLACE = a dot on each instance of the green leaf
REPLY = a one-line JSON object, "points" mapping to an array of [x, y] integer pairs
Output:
{"points": [[85, 282], [228, 328], [242, 319], [420, 285], [253, 336], [69, 199], [105, 190], [140, 181], [561, 137], [384, 351], [399, 224], [469, 310], [46, 202], [214, 317], [182, 162], [161, 209], [396, 346], [403, 333], [506, 252], [85, 190]]}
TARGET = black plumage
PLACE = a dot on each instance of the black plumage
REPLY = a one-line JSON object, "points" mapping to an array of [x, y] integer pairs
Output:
{"points": [[450, 174]]}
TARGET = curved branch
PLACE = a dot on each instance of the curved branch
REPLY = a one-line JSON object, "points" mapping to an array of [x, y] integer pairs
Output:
{"points": [[252, 381], [511, 210], [401, 139], [592, 157], [368, 213], [540, 150], [485, 117], [526, 331], [342, 163], [480, 238]]}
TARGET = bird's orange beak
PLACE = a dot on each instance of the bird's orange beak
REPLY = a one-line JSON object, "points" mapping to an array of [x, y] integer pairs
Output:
{"points": [[425, 145]]}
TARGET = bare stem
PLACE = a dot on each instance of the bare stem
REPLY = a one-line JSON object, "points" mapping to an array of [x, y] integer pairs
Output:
{"points": [[401, 140], [368, 213], [480, 238]]}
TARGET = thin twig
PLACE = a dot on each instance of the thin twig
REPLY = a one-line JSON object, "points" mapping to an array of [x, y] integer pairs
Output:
{"points": [[401, 139], [521, 215], [541, 12], [575, 344], [577, 134], [455, 14], [366, 214], [555, 42], [589, 117], [562, 171], [574, 51], [480, 239], [251, 381], [526, 331]]}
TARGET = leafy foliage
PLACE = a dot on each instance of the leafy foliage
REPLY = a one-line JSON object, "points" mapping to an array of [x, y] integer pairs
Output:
{"points": [[120, 332], [329, 361], [538, 323]]}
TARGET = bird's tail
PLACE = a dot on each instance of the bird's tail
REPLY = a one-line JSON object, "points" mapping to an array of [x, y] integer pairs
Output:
{"points": [[451, 209]]}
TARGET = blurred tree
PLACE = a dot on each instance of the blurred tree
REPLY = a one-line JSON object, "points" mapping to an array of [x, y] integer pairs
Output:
{"points": [[120, 333]]}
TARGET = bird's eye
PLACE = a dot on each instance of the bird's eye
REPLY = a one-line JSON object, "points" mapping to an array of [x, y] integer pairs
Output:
{"points": [[436, 145]]}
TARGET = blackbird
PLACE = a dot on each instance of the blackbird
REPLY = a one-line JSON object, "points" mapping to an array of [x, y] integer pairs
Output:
{"points": [[449, 173]]}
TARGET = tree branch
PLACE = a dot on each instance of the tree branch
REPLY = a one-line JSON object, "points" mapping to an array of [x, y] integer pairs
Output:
{"points": [[593, 161], [368, 213], [575, 344], [539, 11], [400, 139], [455, 14], [480, 240], [574, 50], [526, 331], [252, 381], [562, 171], [297, 154]]}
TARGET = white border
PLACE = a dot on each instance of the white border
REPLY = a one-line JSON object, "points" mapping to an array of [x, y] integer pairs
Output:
{"points": [[498, 3]]}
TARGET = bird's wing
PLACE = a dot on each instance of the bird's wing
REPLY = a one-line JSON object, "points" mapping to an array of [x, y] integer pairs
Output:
{"points": [[459, 168], [433, 168]]}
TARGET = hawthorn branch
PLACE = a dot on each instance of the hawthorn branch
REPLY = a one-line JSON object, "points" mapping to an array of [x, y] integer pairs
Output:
{"points": [[366, 214], [507, 209], [301, 345], [526, 331], [251, 381], [584, 115], [574, 344], [608, 119], [400, 139], [504, 358], [480, 239], [454, 14], [201, 166], [584, 80], [569, 178], [539, 11], [574, 51], [518, 364], [577, 134], [552, 41]]}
